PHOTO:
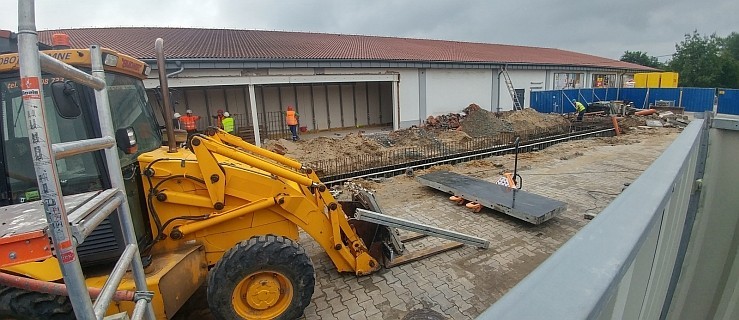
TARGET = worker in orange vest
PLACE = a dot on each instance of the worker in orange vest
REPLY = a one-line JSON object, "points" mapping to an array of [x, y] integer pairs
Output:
{"points": [[291, 117], [219, 119], [189, 121]]}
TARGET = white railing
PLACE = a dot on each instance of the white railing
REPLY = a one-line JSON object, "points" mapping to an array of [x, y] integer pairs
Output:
{"points": [[627, 262]]}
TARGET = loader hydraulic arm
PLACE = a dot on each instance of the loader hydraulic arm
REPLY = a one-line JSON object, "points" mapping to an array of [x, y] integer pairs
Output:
{"points": [[295, 193]]}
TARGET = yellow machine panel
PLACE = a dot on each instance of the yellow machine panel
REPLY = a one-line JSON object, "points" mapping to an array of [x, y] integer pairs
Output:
{"points": [[653, 79], [668, 80], [656, 80], [640, 80]]}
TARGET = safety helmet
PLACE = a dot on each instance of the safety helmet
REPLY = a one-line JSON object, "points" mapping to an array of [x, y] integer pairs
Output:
{"points": [[188, 111], [177, 115], [226, 114]]}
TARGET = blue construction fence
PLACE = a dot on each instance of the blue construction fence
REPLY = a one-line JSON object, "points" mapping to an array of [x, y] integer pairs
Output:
{"points": [[692, 99]]}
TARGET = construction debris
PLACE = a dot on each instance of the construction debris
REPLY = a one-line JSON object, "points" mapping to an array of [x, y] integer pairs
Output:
{"points": [[654, 123]]}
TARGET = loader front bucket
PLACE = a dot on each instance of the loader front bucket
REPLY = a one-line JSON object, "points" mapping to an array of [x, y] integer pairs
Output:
{"points": [[376, 237]]}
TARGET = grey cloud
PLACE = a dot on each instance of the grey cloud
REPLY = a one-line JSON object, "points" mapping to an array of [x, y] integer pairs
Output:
{"points": [[596, 27]]}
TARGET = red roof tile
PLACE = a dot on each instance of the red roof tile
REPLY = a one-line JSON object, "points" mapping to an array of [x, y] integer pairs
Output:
{"points": [[190, 43]]}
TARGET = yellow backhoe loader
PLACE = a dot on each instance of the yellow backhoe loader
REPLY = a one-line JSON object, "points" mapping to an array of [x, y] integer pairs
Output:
{"points": [[220, 209]]}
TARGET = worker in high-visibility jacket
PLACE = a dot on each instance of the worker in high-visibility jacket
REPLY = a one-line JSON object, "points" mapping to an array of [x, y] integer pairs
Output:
{"points": [[228, 123], [189, 121], [579, 108], [291, 117]]}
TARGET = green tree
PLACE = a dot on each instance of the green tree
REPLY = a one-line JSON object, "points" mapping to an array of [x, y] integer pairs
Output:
{"points": [[698, 60], [641, 58], [728, 76], [731, 46]]}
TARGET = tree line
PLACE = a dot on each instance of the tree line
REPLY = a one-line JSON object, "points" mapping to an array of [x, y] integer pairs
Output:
{"points": [[708, 61]]}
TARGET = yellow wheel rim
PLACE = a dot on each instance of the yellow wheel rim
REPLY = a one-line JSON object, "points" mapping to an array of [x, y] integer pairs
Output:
{"points": [[262, 295]]}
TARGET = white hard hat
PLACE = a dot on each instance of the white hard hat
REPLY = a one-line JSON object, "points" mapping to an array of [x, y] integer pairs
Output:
{"points": [[177, 115], [226, 114], [188, 111]]}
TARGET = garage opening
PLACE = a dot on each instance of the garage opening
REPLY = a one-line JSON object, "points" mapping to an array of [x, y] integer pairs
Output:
{"points": [[322, 106]]}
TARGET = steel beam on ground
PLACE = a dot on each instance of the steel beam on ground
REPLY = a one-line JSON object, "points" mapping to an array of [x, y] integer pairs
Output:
{"points": [[395, 222]]}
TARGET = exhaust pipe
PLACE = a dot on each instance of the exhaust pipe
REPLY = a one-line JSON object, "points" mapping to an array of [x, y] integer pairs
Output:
{"points": [[169, 114]]}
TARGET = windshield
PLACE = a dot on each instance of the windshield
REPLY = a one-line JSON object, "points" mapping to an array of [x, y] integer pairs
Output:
{"points": [[80, 173], [130, 107]]}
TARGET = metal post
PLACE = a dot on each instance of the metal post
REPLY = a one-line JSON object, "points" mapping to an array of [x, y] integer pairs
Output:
{"points": [[254, 115], [116, 178], [44, 163], [166, 101]]}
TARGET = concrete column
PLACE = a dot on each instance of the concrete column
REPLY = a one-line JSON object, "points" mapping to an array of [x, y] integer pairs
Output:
{"points": [[422, 113], [254, 117], [396, 106]]}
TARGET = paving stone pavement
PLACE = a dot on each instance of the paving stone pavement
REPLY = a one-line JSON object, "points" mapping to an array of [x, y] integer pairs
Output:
{"points": [[462, 283]]}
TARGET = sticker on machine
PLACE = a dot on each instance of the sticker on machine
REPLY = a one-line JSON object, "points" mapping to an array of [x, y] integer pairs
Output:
{"points": [[30, 88]]}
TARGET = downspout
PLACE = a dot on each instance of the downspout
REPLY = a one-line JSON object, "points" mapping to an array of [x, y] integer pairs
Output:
{"points": [[182, 68]]}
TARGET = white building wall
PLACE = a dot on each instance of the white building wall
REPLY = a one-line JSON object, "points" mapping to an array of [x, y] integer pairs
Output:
{"points": [[522, 79], [451, 90], [421, 93], [408, 99]]}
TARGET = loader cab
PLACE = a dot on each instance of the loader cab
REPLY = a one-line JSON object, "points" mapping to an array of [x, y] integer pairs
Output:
{"points": [[71, 115]]}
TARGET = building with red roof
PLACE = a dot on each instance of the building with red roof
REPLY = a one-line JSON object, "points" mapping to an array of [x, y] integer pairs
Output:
{"points": [[336, 80]]}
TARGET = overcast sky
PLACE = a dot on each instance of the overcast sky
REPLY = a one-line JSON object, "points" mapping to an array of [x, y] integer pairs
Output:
{"points": [[603, 28]]}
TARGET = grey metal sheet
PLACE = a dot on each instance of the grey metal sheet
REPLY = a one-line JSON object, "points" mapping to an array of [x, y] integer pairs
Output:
{"points": [[517, 203], [29, 216]]}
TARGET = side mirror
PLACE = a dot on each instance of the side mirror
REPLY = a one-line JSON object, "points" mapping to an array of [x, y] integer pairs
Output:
{"points": [[125, 138], [65, 99]]}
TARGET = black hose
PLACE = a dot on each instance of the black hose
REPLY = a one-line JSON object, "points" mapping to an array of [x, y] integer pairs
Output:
{"points": [[517, 179]]}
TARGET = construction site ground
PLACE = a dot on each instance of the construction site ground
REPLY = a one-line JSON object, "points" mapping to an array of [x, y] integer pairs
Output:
{"points": [[462, 283]]}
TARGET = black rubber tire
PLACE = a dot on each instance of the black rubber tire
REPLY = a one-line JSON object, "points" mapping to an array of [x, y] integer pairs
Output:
{"points": [[263, 253], [27, 305]]}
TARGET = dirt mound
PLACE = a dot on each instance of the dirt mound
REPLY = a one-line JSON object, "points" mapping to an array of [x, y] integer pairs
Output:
{"points": [[454, 136], [472, 122], [323, 148], [482, 123], [628, 123], [530, 119], [413, 137], [478, 122]]}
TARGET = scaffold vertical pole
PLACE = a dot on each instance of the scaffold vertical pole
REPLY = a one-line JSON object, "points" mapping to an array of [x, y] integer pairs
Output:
{"points": [[45, 164]]}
